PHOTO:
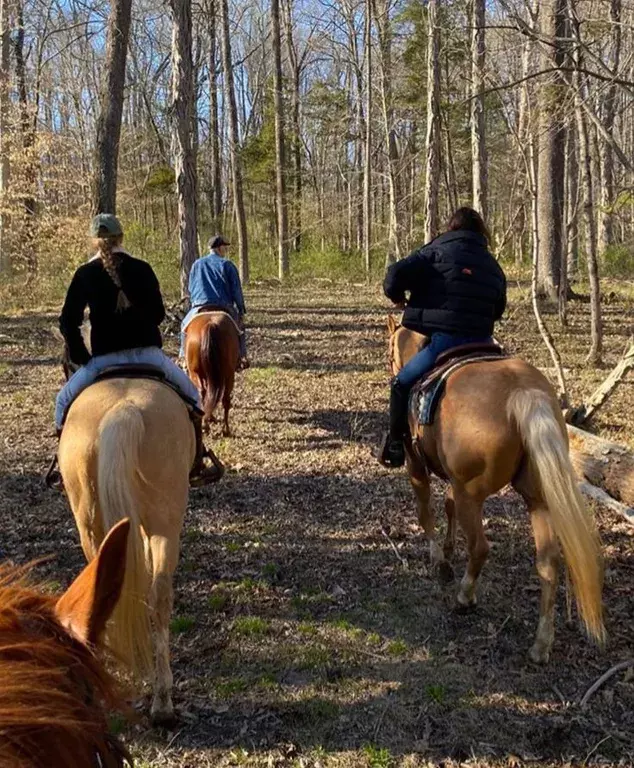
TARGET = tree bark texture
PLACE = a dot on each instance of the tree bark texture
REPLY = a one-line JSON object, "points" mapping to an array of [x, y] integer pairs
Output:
{"points": [[296, 135], [383, 25], [111, 108], [280, 154], [478, 136], [234, 141], [432, 175], [367, 171], [5, 81], [550, 190], [184, 158], [215, 174], [606, 234]]}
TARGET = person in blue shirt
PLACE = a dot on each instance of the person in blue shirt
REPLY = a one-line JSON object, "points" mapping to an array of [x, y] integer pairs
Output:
{"points": [[214, 280]]}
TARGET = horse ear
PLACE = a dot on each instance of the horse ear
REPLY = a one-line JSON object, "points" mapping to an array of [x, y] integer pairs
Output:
{"points": [[86, 606], [392, 325]]}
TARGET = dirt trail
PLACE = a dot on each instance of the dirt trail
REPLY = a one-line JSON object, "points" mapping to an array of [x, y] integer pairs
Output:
{"points": [[300, 639]]}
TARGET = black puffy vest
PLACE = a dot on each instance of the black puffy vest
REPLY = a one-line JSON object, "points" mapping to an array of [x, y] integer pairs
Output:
{"points": [[455, 286]]}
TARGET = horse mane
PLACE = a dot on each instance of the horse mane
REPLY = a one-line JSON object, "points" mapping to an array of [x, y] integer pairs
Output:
{"points": [[54, 691]]}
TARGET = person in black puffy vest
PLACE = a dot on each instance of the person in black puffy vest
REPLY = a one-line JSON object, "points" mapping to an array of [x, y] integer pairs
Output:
{"points": [[457, 290]]}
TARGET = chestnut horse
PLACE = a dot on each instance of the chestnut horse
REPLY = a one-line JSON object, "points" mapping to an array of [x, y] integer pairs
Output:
{"points": [[126, 451], [499, 422], [55, 692], [212, 352]]}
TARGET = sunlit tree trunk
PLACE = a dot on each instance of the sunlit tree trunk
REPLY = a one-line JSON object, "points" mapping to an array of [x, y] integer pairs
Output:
{"points": [[478, 138], [280, 154], [432, 176], [111, 108], [5, 81], [234, 141]]}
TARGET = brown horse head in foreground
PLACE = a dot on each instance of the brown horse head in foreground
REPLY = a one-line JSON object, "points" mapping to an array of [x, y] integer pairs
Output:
{"points": [[499, 423], [54, 691], [212, 352], [126, 451]]}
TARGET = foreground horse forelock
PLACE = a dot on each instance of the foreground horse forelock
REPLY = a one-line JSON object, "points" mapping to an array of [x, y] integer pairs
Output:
{"points": [[212, 352], [55, 693], [499, 423], [126, 451]]}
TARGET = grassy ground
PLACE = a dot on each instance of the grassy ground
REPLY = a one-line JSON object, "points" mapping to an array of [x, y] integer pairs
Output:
{"points": [[299, 637]]}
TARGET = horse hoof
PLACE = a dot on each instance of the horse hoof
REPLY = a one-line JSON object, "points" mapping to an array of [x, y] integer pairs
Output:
{"points": [[163, 718], [538, 654], [445, 573], [464, 608]]}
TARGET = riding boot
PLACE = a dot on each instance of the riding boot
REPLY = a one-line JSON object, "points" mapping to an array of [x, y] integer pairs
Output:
{"points": [[207, 467], [393, 447]]}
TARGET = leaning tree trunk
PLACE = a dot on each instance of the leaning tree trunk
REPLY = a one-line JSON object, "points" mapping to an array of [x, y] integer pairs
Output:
{"points": [[111, 108], [184, 159], [234, 141], [5, 79], [432, 177], [478, 140], [550, 191], [280, 155]]}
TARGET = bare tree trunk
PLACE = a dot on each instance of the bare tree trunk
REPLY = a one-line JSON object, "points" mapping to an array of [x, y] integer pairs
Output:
{"points": [[296, 140], [280, 160], [385, 66], [214, 128], [111, 108], [234, 141], [585, 160], [432, 176], [572, 206], [367, 175], [478, 137], [606, 234], [551, 154], [182, 110], [5, 77]]}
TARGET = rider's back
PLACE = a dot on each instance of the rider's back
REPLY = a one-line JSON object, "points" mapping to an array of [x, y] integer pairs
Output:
{"points": [[212, 281]]}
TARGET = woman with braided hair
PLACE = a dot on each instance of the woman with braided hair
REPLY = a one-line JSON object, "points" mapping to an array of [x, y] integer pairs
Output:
{"points": [[126, 308]]}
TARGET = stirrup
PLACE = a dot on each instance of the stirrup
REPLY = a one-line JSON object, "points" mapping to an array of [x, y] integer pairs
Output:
{"points": [[53, 477], [202, 474], [392, 452]]}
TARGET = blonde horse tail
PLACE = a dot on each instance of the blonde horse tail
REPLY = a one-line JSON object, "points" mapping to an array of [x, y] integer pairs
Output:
{"points": [[543, 436], [119, 487]]}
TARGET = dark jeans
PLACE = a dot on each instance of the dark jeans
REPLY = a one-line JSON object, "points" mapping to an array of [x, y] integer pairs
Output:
{"points": [[423, 361], [416, 368]]}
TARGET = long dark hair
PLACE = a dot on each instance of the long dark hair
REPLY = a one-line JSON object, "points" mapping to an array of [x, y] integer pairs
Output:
{"points": [[469, 219]]}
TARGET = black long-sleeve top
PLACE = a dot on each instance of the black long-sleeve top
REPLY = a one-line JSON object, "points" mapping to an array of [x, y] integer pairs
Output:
{"points": [[112, 331]]}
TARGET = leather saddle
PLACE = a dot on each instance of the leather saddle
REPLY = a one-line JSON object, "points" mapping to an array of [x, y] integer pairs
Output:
{"points": [[427, 392], [144, 371]]}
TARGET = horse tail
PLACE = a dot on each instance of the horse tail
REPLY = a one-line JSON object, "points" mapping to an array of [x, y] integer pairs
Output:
{"points": [[211, 367], [543, 436], [121, 433]]}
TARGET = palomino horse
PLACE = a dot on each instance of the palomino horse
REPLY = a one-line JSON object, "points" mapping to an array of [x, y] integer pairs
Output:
{"points": [[212, 352], [499, 422], [54, 690], [126, 451]]}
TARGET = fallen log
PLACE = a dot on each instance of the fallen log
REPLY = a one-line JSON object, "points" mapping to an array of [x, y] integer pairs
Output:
{"points": [[606, 466]]}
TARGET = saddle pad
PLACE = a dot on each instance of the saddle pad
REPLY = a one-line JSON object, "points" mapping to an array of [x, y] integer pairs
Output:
{"points": [[141, 371], [427, 394], [215, 312]]}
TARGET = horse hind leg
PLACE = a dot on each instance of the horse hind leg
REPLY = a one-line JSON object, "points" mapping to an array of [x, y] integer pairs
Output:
{"points": [[469, 513], [547, 561], [161, 603], [419, 479], [226, 404]]}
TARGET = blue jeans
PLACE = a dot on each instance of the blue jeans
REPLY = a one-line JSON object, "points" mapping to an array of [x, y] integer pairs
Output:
{"points": [[194, 311], [86, 375], [423, 361]]}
